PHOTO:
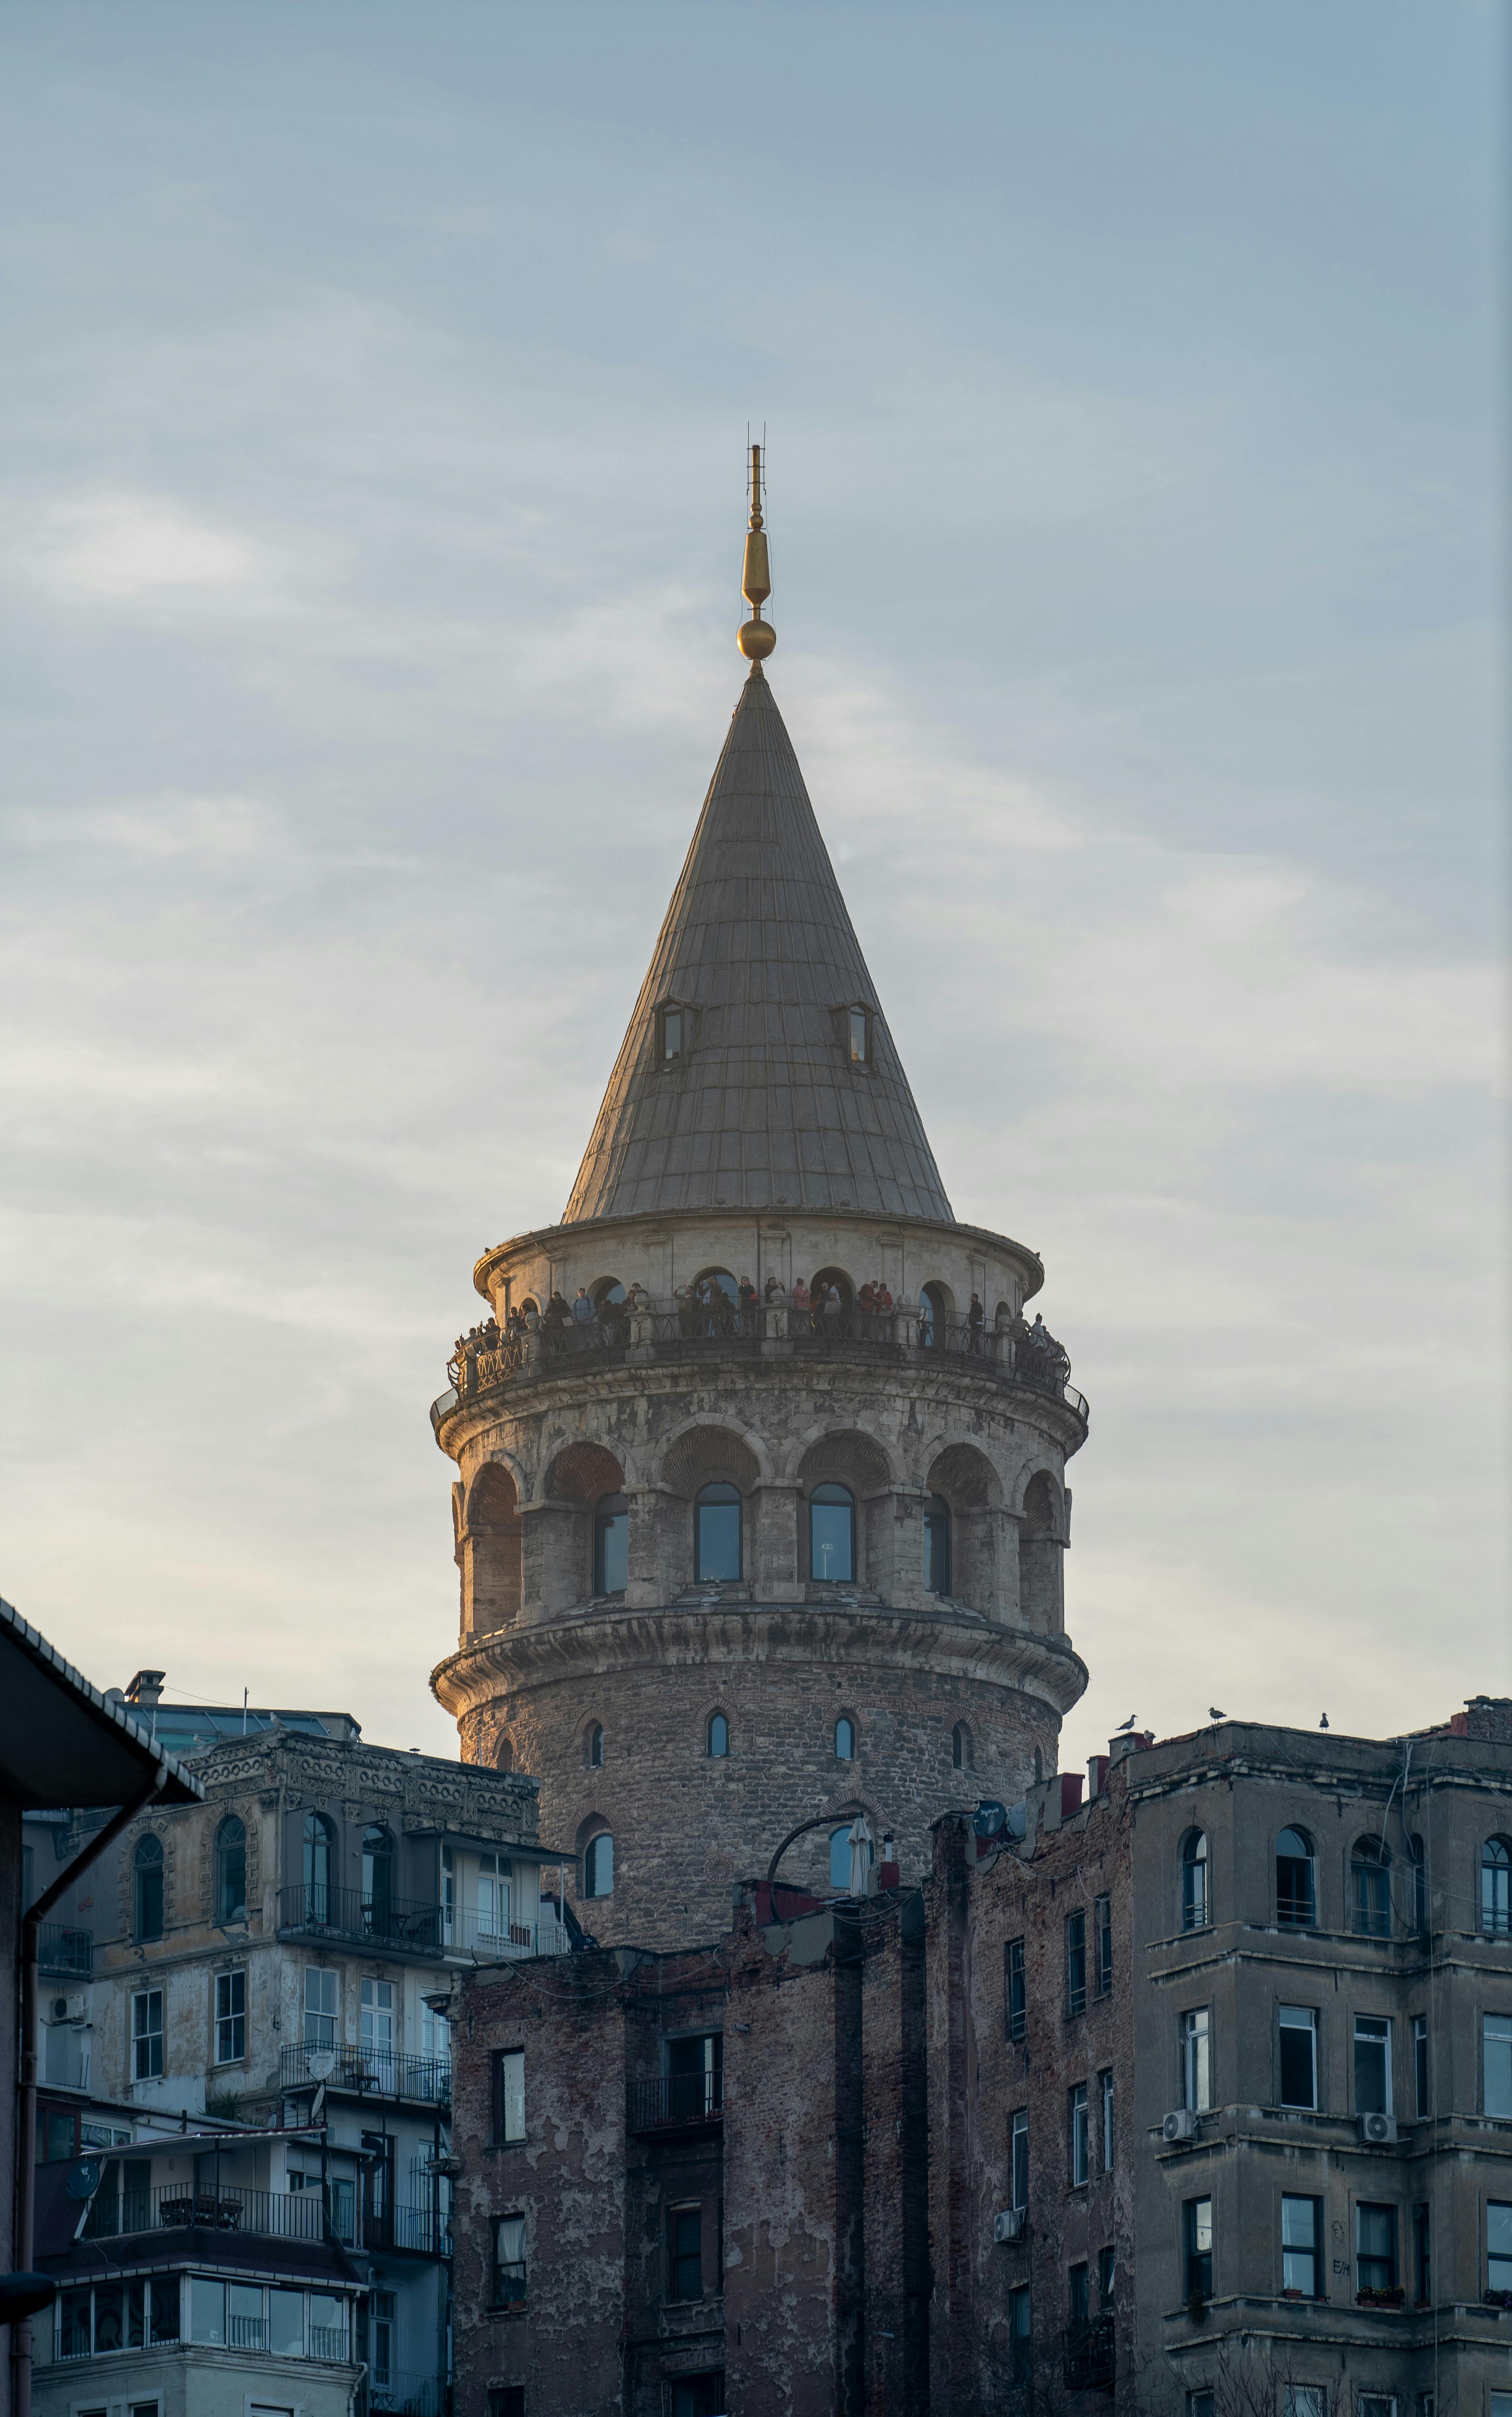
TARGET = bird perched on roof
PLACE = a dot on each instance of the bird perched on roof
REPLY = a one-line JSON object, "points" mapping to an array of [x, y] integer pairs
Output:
{"points": [[1214, 1713], [1324, 1723], [1126, 1725]]}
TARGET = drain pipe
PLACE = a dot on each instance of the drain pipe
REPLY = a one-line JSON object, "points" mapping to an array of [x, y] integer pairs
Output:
{"points": [[21, 2334]]}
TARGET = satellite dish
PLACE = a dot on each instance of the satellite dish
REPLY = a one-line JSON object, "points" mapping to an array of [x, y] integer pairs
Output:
{"points": [[989, 1818], [84, 2179], [322, 2063]]}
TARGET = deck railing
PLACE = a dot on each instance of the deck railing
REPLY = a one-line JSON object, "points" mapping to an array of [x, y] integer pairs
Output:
{"points": [[676, 2101], [1089, 2355], [210, 2207], [371, 2071], [68, 1954]]}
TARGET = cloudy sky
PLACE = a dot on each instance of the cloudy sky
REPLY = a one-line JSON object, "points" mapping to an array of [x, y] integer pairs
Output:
{"points": [[370, 452]]}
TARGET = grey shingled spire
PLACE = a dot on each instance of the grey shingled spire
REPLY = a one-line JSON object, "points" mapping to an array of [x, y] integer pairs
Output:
{"points": [[763, 1108]]}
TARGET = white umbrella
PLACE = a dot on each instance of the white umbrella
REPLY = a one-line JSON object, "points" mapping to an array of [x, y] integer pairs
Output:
{"points": [[860, 1857]]}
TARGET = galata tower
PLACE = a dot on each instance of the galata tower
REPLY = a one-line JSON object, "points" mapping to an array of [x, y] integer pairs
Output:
{"points": [[761, 1505]]}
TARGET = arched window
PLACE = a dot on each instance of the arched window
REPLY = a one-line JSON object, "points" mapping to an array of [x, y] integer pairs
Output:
{"points": [[935, 1305], [937, 1545], [962, 1752], [716, 1737], [147, 1888], [717, 1535], [839, 1859], [504, 1755], [1194, 1897], [608, 1293], [1371, 1888], [1496, 1885], [845, 1739], [377, 1879], [231, 1871], [1296, 1893], [598, 1867], [611, 1546], [832, 1533], [1420, 1905], [592, 1746], [317, 1845]]}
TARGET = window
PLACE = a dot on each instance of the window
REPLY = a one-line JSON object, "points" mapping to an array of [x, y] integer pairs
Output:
{"points": [[1372, 2065], [147, 2035], [1301, 2246], [699, 2396], [231, 1871], [285, 2324], [1496, 1885], [672, 1034], [376, 2021], [1498, 2246], [508, 2260], [448, 1894], [344, 2211], [1421, 2104], [495, 1887], [507, 2400], [1194, 1882], [1375, 2404], [695, 2074], [207, 2309], [1075, 1963], [1375, 2247], [1296, 1884], [147, 1889], [322, 2005], [839, 1859], [1105, 2092], [317, 1847], [509, 2094], [611, 1546], [845, 1739], [1371, 1889], [936, 1535], [1076, 2294], [1197, 2244], [383, 2309], [377, 1881], [1201, 2404], [1106, 2272], [716, 1737], [1078, 2111], [717, 1535], [962, 1753], [230, 2017], [1196, 2061], [1496, 2064], [1421, 1895], [1015, 1999], [598, 1867], [1019, 2158], [832, 1533], [1422, 2253], [1304, 2400], [860, 1037], [684, 2253], [245, 2323], [1020, 2336], [1297, 2057], [1102, 1933]]}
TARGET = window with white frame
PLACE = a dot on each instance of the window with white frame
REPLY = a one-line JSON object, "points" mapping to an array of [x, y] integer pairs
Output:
{"points": [[147, 2035], [323, 2005], [376, 2018], [230, 2017], [509, 2094], [1080, 2153], [1196, 2041], [495, 1894], [1296, 2058], [1372, 2064], [1105, 2091], [1499, 2250], [1302, 2246]]}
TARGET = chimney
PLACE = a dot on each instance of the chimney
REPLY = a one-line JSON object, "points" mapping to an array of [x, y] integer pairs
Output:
{"points": [[145, 1689], [1071, 1793], [1096, 1775]]}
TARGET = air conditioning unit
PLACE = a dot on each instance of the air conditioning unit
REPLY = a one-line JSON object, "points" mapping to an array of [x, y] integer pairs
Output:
{"points": [[1011, 2224], [79, 2006], [1377, 2131], [1180, 2124]]}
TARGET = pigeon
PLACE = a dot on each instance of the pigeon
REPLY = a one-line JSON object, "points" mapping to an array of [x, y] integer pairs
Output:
{"points": [[1324, 1723], [1214, 1713], [1126, 1725]]}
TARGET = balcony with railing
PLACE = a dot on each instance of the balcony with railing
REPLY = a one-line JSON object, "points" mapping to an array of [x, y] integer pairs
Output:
{"points": [[678, 2102], [208, 2206], [420, 2230], [491, 1358], [1089, 2355], [398, 2393], [412, 1927], [366, 2073], [68, 1954]]}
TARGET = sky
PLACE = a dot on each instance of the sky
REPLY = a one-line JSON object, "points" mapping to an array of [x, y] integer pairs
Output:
{"points": [[378, 379]]}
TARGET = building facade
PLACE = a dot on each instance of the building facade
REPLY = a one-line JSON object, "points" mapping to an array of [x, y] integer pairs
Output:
{"points": [[761, 1503]]}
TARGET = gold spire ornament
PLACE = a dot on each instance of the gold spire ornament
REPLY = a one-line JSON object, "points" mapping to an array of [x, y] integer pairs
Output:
{"points": [[756, 638]]}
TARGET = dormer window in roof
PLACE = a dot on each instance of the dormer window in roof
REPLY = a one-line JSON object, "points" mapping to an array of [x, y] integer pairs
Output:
{"points": [[858, 1035], [674, 1032]]}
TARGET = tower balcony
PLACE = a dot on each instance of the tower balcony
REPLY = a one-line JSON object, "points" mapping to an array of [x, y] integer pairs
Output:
{"points": [[656, 1333]]}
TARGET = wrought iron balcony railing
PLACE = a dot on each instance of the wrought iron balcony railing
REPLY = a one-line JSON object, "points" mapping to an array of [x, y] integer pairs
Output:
{"points": [[1089, 2355], [68, 1954], [399, 2393], [210, 2207], [368, 2072], [678, 2102], [670, 1331], [420, 2229], [413, 1925]]}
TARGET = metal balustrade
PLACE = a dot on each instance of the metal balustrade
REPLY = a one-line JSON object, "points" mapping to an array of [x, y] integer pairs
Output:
{"points": [[370, 2071], [399, 2393], [68, 1954], [676, 2101], [413, 1925], [1089, 2355], [212, 2207]]}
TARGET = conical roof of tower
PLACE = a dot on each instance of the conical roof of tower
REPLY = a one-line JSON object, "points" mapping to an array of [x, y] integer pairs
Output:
{"points": [[764, 1107]]}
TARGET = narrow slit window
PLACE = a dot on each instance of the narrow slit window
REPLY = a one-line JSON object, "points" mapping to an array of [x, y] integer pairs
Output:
{"points": [[860, 1037]]}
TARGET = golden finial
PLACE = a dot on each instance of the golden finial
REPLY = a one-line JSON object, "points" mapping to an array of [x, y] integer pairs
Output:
{"points": [[756, 638]]}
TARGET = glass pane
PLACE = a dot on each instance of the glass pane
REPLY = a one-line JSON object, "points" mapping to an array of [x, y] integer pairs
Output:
{"points": [[615, 1554], [207, 2309], [718, 1540], [830, 1530], [718, 1735], [1496, 2036], [165, 2308], [286, 2323], [839, 1859]]}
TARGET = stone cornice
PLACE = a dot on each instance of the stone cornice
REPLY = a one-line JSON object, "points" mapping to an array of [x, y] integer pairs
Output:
{"points": [[416, 1791], [795, 1634]]}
